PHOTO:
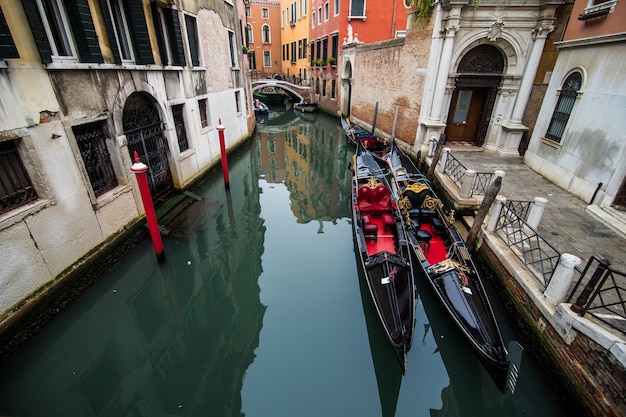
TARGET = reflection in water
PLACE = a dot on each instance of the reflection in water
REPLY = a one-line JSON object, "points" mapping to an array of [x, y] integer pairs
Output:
{"points": [[305, 158], [256, 311], [157, 339], [388, 373]]}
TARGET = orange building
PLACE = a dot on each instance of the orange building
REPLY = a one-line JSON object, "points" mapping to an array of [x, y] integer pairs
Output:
{"points": [[262, 36], [295, 34], [337, 22]]}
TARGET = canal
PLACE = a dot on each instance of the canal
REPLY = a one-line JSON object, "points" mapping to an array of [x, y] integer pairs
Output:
{"points": [[258, 310]]}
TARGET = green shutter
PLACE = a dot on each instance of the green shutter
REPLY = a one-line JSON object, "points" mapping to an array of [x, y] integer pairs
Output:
{"points": [[7, 46], [38, 31], [176, 40], [139, 30], [108, 24], [83, 31]]}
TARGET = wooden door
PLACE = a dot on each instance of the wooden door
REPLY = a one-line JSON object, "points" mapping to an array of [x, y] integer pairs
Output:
{"points": [[466, 114]]}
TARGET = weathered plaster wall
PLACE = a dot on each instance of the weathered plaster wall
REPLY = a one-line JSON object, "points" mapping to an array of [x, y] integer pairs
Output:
{"points": [[593, 147]]}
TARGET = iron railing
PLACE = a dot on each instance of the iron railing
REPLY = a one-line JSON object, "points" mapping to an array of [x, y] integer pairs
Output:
{"points": [[456, 171], [539, 256], [521, 207], [603, 296]]}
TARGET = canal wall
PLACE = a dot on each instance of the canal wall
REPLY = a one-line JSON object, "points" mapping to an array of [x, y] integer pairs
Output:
{"points": [[22, 319], [586, 373]]}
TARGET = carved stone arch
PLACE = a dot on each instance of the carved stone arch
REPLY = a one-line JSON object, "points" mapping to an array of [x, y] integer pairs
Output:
{"points": [[507, 46], [482, 59]]}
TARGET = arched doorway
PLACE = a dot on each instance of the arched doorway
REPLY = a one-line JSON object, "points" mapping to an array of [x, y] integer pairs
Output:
{"points": [[480, 73], [142, 127]]}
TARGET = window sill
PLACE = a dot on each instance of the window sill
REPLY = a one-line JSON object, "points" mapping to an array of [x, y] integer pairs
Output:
{"points": [[598, 10], [110, 196], [363, 18], [186, 154], [18, 214], [551, 143]]}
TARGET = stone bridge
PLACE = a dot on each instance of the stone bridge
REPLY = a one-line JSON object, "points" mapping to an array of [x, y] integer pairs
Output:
{"points": [[296, 91]]}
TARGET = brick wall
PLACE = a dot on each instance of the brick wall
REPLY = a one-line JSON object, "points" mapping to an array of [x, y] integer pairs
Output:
{"points": [[584, 374]]}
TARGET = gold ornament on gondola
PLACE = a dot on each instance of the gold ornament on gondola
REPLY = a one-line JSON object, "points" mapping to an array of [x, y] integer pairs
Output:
{"points": [[430, 203]]}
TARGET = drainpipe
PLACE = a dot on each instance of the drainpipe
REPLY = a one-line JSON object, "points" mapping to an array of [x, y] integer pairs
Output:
{"points": [[595, 193]]}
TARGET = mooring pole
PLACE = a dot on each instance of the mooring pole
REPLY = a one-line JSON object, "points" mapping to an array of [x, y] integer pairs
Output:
{"points": [[490, 196], [438, 149], [375, 114], [220, 129], [140, 169]]}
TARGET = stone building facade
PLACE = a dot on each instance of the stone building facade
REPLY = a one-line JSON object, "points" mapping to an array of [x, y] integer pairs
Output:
{"points": [[467, 71], [85, 85]]}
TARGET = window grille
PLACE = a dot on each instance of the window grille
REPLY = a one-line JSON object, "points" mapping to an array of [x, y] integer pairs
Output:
{"points": [[91, 142], [179, 125], [202, 109], [16, 188], [564, 107]]}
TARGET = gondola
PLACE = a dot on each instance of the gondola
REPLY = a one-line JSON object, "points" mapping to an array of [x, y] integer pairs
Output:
{"points": [[378, 147], [305, 107], [443, 259], [384, 252]]}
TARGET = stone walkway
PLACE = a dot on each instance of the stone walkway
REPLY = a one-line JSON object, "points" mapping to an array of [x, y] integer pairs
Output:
{"points": [[566, 223]]}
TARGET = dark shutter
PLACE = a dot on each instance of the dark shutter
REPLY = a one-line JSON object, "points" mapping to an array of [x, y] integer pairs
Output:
{"points": [[108, 24], [192, 36], [139, 30], [37, 29], [7, 46], [158, 29], [83, 31], [176, 40]]}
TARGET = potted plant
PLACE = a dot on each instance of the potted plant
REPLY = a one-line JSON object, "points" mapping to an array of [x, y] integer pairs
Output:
{"points": [[331, 60]]}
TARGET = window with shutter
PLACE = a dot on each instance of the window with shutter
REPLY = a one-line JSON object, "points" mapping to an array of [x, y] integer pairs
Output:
{"points": [[7, 46]]}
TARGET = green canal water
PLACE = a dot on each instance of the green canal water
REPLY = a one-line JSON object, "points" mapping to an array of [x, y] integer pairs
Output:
{"points": [[259, 310]]}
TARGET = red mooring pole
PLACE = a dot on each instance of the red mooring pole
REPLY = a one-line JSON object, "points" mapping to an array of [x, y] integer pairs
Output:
{"points": [[140, 169], [220, 129]]}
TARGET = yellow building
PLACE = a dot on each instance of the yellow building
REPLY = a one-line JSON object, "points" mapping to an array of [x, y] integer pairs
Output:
{"points": [[295, 30]]}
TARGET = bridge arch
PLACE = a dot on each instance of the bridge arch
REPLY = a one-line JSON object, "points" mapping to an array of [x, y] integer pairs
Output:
{"points": [[297, 92]]}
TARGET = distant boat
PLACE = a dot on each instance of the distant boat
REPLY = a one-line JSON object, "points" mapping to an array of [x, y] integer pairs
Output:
{"points": [[306, 107], [376, 146], [275, 97], [260, 107]]}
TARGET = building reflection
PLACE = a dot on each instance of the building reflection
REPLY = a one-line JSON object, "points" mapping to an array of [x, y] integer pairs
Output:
{"points": [[311, 160], [157, 339]]}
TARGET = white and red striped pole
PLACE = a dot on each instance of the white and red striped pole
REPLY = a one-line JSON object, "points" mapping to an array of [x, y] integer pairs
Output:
{"points": [[140, 170]]}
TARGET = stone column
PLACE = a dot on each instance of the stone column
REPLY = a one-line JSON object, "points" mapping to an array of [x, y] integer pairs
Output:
{"points": [[444, 69], [530, 71], [561, 279]]}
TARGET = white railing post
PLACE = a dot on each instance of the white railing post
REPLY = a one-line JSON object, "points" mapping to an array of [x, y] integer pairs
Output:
{"points": [[536, 211], [468, 183], [442, 160], [432, 145], [494, 214], [561, 279]]}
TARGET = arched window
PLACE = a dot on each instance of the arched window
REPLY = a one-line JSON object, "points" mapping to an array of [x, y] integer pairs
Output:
{"points": [[564, 106], [249, 37], [266, 34]]}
